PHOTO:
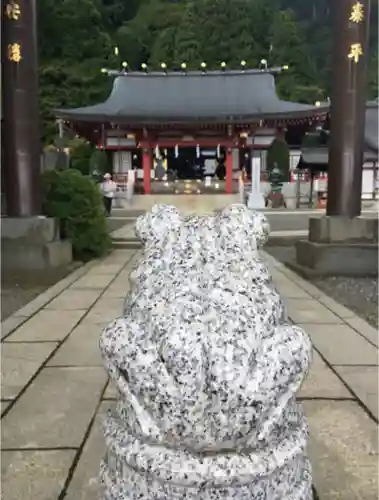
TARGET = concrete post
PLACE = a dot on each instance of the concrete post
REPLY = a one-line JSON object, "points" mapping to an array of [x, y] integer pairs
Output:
{"points": [[256, 199]]}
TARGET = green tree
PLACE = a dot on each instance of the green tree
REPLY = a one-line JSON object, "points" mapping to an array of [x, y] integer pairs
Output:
{"points": [[80, 156], [73, 47], [137, 38], [163, 48], [187, 44], [117, 12], [215, 32], [77, 39], [372, 80], [289, 47], [244, 46]]}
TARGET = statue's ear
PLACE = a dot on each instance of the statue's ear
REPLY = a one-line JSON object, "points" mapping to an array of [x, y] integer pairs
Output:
{"points": [[156, 224], [239, 220]]}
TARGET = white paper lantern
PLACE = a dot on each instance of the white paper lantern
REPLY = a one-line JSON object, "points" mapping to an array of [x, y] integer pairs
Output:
{"points": [[197, 151], [176, 151]]}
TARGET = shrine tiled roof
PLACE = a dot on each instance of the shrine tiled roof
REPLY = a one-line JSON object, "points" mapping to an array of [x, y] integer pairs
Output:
{"points": [[319, 155], [371, 125], [175, 97]]}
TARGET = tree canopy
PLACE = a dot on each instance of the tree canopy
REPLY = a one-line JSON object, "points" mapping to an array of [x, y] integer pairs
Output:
{"points": [[77, 39]]}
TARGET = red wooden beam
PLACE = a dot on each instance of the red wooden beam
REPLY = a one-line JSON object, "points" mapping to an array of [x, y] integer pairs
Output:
{"points": [[210, 142]]}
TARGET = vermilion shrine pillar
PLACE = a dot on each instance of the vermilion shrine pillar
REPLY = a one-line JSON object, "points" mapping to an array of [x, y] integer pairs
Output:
{"points": [[229, 171], [147, 162]]}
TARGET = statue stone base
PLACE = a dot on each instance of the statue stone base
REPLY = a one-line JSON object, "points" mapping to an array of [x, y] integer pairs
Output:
{"points": [[33, 244], [207, 366], [339, 246]]}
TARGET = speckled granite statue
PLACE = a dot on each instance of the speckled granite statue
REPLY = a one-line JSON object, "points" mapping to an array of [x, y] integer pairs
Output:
{"points": [[207, 368]]}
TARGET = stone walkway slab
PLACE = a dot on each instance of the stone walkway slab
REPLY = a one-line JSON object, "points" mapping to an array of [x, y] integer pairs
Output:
{"points": [[322, 382], [106, 304], [92, 281], [364, 329], [111, 269], [74, 300], [336, 308], [19, 362], [111, 391], [81, 348], [11, 323], [47, 325], [343, 450], [116, 291], [363, 380], [56, 409], [34, 475], [84, 484], [341, 345], [101, 317], [308, 311], [289, 290], [4, 405]]}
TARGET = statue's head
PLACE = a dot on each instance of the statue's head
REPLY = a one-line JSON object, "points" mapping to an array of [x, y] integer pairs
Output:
{"points": [[236, 223], [154, 226], [243, 227], [200, 248]]}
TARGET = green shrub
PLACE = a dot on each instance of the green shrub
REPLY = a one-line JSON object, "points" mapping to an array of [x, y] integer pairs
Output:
{"points": [[76, 201], [99, 162], [278, 154], [80, 156]]}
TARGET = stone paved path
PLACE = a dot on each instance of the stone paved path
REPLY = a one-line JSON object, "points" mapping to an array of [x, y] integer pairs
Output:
{"points": [[55, 392]]}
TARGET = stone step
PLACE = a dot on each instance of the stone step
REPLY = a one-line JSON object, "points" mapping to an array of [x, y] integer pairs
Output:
{"points": [[126, 244], [277, 238]]}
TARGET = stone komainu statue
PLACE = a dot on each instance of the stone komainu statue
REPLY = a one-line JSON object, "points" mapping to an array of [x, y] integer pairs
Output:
{"points": [[207, 367]]}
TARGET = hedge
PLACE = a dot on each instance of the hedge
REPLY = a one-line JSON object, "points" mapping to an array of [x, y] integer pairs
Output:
{"points": [[76, 202]]}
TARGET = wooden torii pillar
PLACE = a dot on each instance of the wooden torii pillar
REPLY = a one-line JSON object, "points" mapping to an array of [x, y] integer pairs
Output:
{"points": [[350, 46], [20, 131], [343, 243]]}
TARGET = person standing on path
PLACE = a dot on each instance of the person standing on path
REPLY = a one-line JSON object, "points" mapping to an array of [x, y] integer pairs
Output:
{"points": [[108, 190]]}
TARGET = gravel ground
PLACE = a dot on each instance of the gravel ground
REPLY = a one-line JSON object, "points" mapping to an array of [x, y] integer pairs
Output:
{"points": [[17, 291], [358, 294]]}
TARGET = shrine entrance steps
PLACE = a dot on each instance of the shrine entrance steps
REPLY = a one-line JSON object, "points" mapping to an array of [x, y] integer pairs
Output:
{"points": [[186, 203]]}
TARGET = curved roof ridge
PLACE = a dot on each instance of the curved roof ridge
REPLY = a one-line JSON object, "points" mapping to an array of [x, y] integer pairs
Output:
{"points": [[218, 96], [189, 73]]}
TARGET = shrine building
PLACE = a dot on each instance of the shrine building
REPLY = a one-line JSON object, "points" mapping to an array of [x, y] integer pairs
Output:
{"points": [[191, 128]]}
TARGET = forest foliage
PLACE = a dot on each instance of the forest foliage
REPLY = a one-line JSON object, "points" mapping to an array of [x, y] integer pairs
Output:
{"points": [[77, 39]]}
